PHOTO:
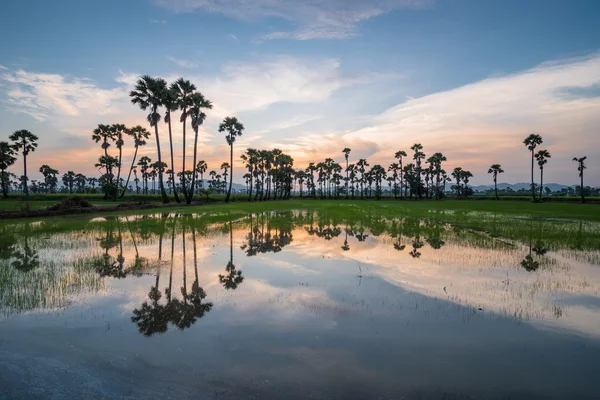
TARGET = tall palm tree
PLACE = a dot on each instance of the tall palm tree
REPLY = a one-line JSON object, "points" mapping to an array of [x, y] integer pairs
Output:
{"points": [[26, 142], [233, 128], [171, 103], [183, 91], [149, 94], [118, 130], [346, 152], [197, 104], [399, 155], [7, 158], [580, 167], [496, 169], [532, 141], [542, 157], [139, 135]]}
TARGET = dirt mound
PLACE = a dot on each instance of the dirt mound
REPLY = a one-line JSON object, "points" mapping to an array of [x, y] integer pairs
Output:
{"points": [[71, 203]]}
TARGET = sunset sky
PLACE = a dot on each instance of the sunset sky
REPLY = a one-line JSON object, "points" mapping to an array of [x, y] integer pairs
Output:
{"points": [[468, 78]]}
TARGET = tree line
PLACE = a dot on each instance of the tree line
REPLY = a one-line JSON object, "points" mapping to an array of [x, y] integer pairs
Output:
{"points": [[270, 173]]}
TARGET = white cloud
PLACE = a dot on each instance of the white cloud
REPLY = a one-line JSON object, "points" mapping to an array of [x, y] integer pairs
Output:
{"points": [[233, 37], [44, 95], [333, 19], [183, 63], [158, 21], [245, 87]]}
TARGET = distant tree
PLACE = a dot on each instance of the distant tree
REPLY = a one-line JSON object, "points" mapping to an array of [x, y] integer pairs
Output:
{"points": [[532, 141], [399, 155], [418, 157], [580, 167], [7, 158], [496, 169], [542, 157], [26, 142], [233, 128], [68, 180]]}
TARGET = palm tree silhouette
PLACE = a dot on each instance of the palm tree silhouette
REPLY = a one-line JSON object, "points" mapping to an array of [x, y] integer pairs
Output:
{"points": [[496, 169], [139, 136], [197, 104], [149, 93], [542, 157], [7, 158], [580, 167], [532, 141], [26, 142], [233, 128], [171, 103]]}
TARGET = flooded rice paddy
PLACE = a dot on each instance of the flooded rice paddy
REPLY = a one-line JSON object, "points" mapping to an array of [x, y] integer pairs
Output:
{"points": [[300, 304]]}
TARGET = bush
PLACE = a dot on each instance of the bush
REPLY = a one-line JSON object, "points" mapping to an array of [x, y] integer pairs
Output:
{"points": [[70, 203]]}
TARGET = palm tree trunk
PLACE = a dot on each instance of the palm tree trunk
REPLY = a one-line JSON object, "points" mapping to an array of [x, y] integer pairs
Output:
{"points": [[25, 175], [496, 185], [541, 182], [129, 175], [190, 196], [116, 190], [231, 173], [581, 187], [163, 192], [532, 184], [173, 160]]}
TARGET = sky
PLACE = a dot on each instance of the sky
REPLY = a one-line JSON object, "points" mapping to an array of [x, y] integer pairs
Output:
{"points": [[467, 78]]}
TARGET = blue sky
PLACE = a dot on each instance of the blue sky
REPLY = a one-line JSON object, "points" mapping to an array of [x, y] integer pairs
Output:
{"points": [[468, 78]]}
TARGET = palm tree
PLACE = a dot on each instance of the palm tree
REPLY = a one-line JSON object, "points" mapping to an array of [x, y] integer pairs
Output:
{"points": [[399, 155], [149, 94], [496, 169], [233, 128], [542, 157], [171, 103], [201, 168], [118, 130], [580, 167], [532, 141], [139, 135], [197, 104], [7, 158], [182, 91], [26, 142], [68, 179], [346, 152], [418, 156]]}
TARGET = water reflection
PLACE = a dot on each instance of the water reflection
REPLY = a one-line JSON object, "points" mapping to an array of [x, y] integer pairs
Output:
{"points": [[319, 291], [153, 317], [133, 247]]}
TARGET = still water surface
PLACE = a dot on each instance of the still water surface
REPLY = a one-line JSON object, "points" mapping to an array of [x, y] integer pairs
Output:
{"points": [[298, 305]]}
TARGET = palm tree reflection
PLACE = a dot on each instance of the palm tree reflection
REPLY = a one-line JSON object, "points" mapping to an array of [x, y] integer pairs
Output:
{"points": [[153, 317], [233, 278]]}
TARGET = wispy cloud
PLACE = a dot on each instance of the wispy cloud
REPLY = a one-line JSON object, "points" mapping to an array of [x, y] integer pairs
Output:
{"points": [[158, 21], [183, 63], [313, 19], [233, 37], [485, 122]]}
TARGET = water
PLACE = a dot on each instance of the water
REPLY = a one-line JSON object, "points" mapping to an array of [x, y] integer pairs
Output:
{"points": [[299, 305]]}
